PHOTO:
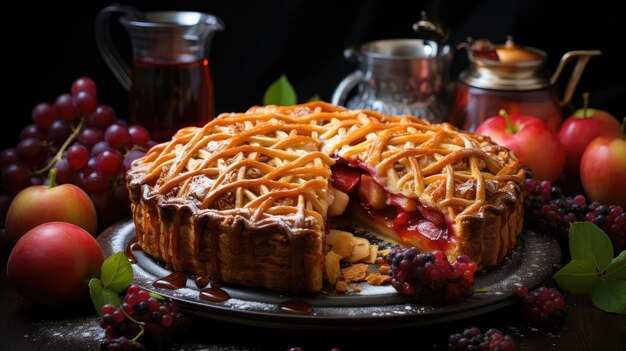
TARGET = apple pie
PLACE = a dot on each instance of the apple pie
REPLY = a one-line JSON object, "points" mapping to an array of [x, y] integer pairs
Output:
{"points": [[247, 198]]}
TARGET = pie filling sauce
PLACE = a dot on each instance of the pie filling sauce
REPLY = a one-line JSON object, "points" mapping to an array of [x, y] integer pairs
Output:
{"points": [[406, 217]]}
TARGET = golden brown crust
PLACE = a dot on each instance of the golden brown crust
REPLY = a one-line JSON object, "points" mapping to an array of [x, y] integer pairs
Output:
{"points": [[213, 193]]}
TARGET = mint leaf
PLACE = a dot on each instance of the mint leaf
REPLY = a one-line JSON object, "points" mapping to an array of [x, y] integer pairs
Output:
{"points": [[577, 277], [280, 93], [116, 272], [617, 268], [610, 296], [588, 242], [101, 296]]}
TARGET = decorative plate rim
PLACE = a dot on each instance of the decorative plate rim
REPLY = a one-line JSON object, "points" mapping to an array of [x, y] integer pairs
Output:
{"points": [[530, 264]]}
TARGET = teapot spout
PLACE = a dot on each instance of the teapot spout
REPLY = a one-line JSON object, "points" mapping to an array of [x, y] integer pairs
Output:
{"points": [[583, 57]]}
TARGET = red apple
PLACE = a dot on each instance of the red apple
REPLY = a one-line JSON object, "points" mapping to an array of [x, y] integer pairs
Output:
{"points": [[580, 129], [530, 139], [51, 264], [603, 169], [39, 204]]}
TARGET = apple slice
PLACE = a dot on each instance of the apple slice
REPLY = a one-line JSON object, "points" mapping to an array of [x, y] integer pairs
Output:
{"points": [[432, 215], [405, 203], [345, 178], [332, 266], [372, 194], [338, 206], [429, 229]]}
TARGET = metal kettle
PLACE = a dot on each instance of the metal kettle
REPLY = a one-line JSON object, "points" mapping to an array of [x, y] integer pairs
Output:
{"points": [[513, 77], [400, 76]]}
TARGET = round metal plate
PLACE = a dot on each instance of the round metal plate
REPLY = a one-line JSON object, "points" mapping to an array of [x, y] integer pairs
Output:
{"points": [[530, 264]]}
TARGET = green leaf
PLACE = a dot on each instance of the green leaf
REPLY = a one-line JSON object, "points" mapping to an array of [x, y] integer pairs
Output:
{"points": [[101, 296], [156, 296], [617, 268], [588, 242], [116, 272], [577, 277], [610, 295], [280, 93], [314, 98]]}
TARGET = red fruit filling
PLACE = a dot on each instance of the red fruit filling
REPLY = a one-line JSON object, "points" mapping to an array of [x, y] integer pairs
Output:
{"points": [[345, 178], [407, 218]]}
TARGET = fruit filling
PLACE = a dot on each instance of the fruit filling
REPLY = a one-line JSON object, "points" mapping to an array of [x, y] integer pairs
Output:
{"points": [[406, 219]]}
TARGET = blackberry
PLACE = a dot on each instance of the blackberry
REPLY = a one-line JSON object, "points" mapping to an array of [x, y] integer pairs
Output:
{"points": [[552, 213], [543, 306], [473, 339], [429, 277]]}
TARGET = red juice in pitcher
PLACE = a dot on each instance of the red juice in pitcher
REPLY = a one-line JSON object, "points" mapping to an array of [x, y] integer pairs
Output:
{"points": [[167, 96]]}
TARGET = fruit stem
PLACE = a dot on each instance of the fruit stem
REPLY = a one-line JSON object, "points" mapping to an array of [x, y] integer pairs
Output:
{"points": [[53, 178], [510, 127], [141, 326], [62, 149], [585, 103]]}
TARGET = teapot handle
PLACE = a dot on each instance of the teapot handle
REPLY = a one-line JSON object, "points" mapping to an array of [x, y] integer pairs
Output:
{"points": [[346, 85], [108, 51], [583, 57]]}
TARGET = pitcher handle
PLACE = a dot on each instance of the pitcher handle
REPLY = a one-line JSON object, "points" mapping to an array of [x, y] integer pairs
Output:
{"points": [[107, 50], [347, 84], [583, 57]]}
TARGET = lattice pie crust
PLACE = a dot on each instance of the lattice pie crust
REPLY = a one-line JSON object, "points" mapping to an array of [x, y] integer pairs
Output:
{"points": [[244, 199]]}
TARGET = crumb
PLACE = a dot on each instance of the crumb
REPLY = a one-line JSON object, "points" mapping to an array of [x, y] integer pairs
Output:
{"points": [[355, 287], [384, 269], [341, 286], [378, 279], [380, 260], [383, 253], [356, 272]]}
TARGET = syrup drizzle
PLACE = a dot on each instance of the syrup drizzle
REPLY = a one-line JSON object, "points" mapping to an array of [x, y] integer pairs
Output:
{"points": [[214, 293], [175, 280], [133, 245], [201, 281], [296, 306]]}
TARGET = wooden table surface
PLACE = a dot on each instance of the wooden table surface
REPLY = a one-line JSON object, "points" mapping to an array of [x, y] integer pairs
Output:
{"points": [[26, 327]]}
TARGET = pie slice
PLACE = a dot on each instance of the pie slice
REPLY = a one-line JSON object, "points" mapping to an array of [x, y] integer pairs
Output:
{"points": [[246, 199]]}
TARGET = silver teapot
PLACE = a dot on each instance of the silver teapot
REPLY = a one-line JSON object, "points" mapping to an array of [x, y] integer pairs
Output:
{"points": [[400, 76]]}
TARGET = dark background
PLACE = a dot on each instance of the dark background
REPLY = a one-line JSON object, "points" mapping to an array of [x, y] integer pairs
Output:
{"points": [[46, 46]]}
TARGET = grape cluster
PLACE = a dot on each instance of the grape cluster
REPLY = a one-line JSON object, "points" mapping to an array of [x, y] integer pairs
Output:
{"points": [[121, 344], [474, 339], [430, 277], [543, 306], [87, 144], [141, 316], [548, 209]]}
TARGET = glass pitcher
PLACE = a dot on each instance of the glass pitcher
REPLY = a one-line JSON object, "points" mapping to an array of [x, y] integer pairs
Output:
{"points": [[170, 84]]}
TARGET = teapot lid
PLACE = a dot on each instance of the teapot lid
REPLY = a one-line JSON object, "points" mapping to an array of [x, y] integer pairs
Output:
{"points": [[505, 66]]}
